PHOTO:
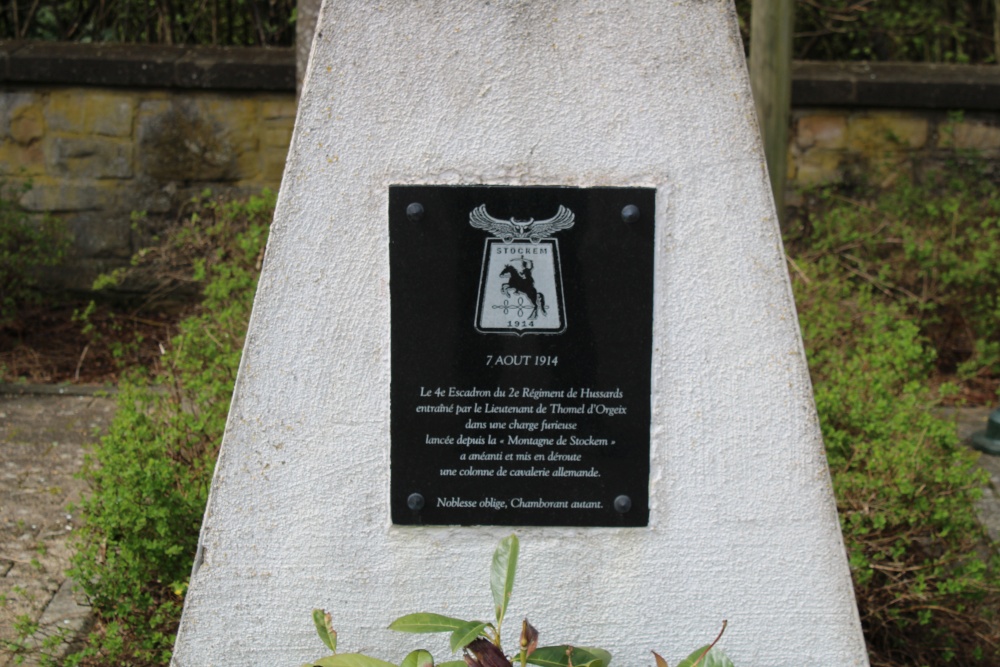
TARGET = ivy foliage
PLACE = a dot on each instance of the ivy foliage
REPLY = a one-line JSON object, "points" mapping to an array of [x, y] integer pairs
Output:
{"points": [[882, 277], [939, 31], [220, 22], [150, 474], [956, 31]]}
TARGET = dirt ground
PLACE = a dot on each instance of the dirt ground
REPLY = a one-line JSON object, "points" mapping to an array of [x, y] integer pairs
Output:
{"points": [[80, 344]]}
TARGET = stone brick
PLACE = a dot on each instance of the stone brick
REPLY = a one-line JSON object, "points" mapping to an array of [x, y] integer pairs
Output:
{"points": [[198, 140], [272, 167], [227, 68], [275, 109], [176, 142], [276, 136], [821, 131], [16, 159], [247, 164], [977, 135], [10, 102], [98, 235], [886, 131], [89, 157], [64, 110], [230, 112], [237, 119], [109, 114], [26, 123], [818, 166], [145, 194], [60, 196], [157, 104]]}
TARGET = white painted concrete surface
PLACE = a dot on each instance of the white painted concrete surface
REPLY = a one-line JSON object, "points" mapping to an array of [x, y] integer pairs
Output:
{"points": [[743, 524]]}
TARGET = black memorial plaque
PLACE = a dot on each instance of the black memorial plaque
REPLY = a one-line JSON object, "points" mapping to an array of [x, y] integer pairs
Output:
{"points": [[521, 350]]}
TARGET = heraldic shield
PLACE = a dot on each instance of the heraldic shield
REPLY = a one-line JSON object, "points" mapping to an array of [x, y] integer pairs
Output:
{"points": [[520, 290]]}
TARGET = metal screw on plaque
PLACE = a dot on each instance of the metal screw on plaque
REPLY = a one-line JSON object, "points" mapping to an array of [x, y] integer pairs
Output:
{"points": [[630, 213], [415, 502], [623, 504], [415, 212]]}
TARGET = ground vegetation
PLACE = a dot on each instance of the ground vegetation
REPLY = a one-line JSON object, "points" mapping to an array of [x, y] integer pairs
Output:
{"points": [[955, 31], [938, 31], [899, 313], [192, 22], [150, 474], [897, 290]]}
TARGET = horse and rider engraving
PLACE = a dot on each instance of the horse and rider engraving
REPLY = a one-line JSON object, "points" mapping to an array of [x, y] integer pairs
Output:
{"points": [[520, 281]]}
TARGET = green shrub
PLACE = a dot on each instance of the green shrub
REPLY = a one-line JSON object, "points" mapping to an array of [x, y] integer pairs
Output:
{"points": [[916, 30], [27, 244], [150, 474], [875, 277], [930, 246], [221, 22], [878, 276]]}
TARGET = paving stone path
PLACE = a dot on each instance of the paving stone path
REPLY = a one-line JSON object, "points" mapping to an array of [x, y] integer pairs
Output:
{"points": [[43, 439], [42, 445], [970, 420]]}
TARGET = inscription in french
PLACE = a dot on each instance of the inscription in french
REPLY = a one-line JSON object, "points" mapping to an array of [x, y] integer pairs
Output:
{"points": [[520, 361]]}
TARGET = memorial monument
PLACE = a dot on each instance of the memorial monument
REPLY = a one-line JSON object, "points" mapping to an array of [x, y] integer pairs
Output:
{"points": [[525, 274]]}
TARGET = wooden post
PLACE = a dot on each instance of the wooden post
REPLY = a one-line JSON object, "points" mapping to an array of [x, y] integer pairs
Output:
{"points": [[771, 23], [996, 29]]}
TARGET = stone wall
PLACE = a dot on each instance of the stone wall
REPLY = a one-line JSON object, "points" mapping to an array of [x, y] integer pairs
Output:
{"points": [[825, 143], [96, 153], [886, 114], [105, 130]]}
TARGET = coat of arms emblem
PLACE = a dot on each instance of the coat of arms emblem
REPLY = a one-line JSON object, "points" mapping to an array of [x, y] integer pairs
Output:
{"points": [[520, 290]]}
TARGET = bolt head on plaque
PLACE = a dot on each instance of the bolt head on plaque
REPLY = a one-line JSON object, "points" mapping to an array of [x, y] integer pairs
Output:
{"points": [[415, 212], [415, 502], [630, 214], [623, 504]]}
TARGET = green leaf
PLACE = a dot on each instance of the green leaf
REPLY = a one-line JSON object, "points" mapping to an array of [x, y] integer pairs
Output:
{"points": [[422, 622], [351, 660], [556, 656], [418, 658], [714, 658], [604, 656], [502, 574], [466, 634], [453, 663], [323, 628]]}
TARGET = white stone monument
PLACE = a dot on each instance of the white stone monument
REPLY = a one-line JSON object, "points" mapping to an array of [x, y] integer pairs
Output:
{"points": [[742, 523]]}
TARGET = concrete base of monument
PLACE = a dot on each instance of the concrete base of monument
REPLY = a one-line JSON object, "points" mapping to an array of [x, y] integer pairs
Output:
{"points": [[741, 525]]}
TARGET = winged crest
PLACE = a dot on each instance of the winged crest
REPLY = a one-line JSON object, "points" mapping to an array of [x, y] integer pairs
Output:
{"points": [[531, 229]]}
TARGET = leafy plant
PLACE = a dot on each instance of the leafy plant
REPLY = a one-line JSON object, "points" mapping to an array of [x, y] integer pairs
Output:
{"points": [[27, 244], [150, 474], [914, 30], [877, 274], [479, 641], [221, 22], [929, 247]]}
